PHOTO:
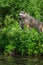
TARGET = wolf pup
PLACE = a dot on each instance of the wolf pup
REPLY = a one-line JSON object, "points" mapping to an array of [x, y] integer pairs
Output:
{"points": [[31, 22]]}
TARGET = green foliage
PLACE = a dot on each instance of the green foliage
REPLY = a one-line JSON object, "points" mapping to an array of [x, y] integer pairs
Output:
{"points": [[3, 41], [33, 7], [12, 37], [24, 41], [9, 48]]}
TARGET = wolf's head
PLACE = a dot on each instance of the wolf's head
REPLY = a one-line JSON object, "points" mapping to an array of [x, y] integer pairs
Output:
{"points": [[22, 15]]}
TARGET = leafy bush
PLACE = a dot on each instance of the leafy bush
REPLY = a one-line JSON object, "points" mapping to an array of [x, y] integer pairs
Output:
{"points": [[24, 41], [11, 35]]}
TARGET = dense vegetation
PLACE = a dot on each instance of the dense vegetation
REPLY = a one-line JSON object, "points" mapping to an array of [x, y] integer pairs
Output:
{"points": [[12, 36]]}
